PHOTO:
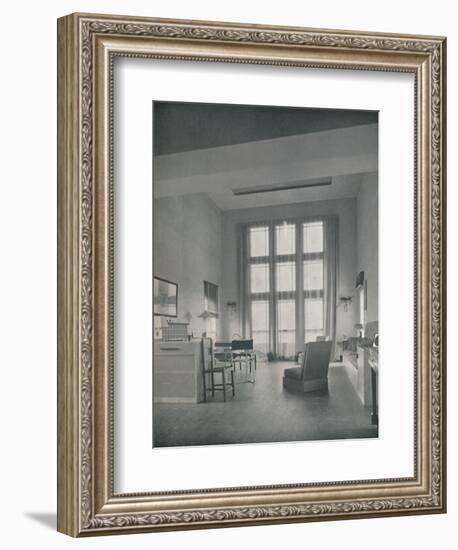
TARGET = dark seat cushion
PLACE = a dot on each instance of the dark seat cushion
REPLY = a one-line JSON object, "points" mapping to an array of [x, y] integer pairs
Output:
{"points": [[293, 372]]}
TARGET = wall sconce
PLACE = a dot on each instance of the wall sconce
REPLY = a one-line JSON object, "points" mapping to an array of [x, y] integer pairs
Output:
{"points": [[231, 307], [207, 315], [345, 300], [359, 327]]}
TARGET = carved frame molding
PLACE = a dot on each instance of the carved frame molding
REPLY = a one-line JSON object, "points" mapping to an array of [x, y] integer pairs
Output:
{"points": [[87, 46]]}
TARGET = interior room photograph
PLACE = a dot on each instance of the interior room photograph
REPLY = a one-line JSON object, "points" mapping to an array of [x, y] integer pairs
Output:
{"points": [[265, 263]]}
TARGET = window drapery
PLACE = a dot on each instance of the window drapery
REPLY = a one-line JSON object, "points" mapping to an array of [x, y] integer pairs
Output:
{"points": [[288, 274]]}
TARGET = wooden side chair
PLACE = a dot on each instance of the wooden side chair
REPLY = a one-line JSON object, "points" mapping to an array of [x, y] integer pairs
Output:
{"points": [[217, 361]]}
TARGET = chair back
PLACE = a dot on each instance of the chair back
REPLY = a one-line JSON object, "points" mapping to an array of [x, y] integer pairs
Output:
{"points": [[315, 361], [207, 354], [239, 345]]}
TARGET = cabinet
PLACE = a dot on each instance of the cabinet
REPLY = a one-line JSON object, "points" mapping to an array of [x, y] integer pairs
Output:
{"points": [[364, 387], [358, 370], [177, 372]]}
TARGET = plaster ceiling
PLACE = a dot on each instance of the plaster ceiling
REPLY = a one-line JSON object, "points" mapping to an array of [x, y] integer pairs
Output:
{"points": [[182, 127], [340, 155]]}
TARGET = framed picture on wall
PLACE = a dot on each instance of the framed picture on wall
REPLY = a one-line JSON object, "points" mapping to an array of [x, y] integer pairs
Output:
{"points": [[165, 298], [260, 169]]}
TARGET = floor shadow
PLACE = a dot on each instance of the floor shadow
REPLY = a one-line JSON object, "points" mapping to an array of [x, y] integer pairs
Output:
{"points": [[47, 519]]}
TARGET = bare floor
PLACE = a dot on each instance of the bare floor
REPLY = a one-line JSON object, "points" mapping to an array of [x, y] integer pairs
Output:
{"points": [[265, 412]]}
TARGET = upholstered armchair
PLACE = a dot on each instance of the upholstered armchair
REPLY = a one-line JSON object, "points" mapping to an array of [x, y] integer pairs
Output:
{"points": [[313, 373]]}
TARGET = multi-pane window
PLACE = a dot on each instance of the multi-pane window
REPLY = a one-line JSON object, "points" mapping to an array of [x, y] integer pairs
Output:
{"points": [[283, 256]]}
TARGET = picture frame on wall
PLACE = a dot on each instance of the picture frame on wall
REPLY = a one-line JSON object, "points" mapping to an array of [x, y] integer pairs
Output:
{"points": [[165, 297], [260, 169]]}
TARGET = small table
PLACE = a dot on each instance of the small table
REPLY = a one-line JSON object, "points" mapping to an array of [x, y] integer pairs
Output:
{"points": [[248, 358]]}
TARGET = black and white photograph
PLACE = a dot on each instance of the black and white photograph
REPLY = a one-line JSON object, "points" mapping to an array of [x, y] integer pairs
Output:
{"points": [[265, 225]]}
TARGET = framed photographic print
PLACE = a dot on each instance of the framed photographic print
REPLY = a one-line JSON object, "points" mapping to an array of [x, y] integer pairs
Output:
{"points": [[290, 183]]}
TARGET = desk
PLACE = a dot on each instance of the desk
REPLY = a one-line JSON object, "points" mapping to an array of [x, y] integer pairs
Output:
{"points": [[177, 372]]}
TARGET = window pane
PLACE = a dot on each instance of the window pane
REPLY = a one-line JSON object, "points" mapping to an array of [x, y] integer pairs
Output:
{"points": [[285, 238], [286, 315], [286, 328], [313, 274], [259, 278], [260, 325], [259, 241], [286, 276], [313, 237], [314, 319]]}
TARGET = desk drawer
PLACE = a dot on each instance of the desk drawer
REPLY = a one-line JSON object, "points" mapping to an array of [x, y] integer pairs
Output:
{"points": [[174, 348], [177, 372]]}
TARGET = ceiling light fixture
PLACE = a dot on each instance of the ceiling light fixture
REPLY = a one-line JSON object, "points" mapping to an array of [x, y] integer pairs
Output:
{"points": [[300, 184]]}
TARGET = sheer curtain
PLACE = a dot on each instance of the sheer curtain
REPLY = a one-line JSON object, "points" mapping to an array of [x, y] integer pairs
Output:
{"points": [[285, 291], [255, 284], [331, 274]]}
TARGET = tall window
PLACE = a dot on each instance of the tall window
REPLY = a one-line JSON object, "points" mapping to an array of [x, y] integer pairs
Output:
{"points": [[286, 283]]}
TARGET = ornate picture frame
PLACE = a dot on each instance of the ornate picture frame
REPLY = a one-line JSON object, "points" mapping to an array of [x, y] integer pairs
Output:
{"points": [[87, 46]]}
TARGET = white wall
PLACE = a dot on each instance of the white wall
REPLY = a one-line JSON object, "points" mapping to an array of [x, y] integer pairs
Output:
{"points": [[345, 209], [367, 241], [188, 250], [28, 274]]}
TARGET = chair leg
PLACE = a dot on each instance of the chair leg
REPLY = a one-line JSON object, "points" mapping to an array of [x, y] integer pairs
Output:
{"points": [[233, 384], [213, 384], [224, 385], [205, 385]]}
